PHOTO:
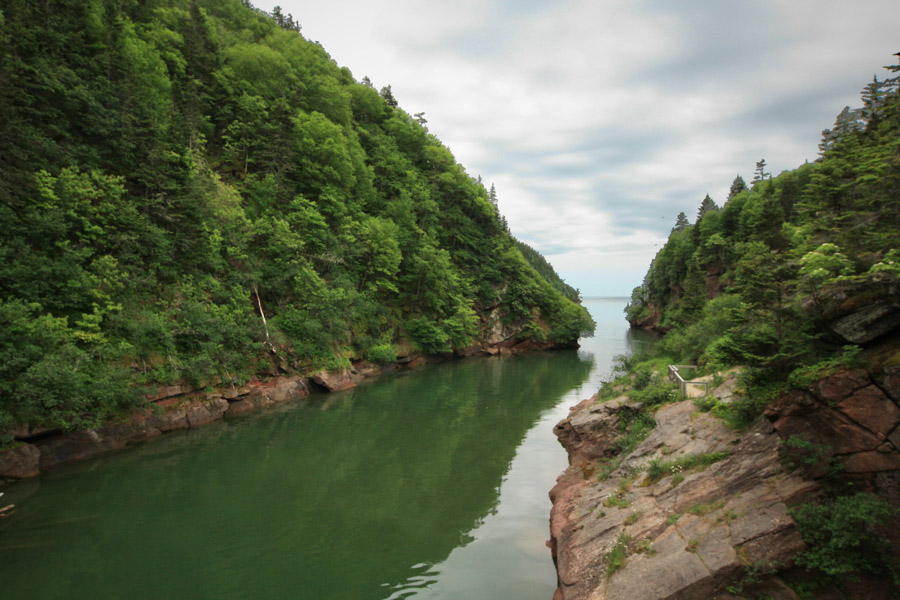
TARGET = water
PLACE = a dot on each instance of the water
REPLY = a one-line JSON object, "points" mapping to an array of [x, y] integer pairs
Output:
{"points": [[428, 484]]}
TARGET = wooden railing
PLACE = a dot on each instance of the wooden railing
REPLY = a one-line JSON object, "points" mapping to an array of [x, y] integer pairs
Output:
{"points": [[675, 376]]}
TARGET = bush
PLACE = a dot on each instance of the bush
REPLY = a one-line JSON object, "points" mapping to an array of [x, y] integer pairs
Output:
{"points": [[842, 535], [430, 339], [382, 354]]}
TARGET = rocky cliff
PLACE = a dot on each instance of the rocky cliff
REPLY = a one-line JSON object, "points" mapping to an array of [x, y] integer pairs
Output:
{"points": [[699, 510]]}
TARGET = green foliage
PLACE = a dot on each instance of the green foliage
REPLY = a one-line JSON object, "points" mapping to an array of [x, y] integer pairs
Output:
{"points": [[796, 451], [174, 173], [745, 284], [617, 499], [842, 535], [657, 469], [804, 376], [382, 354], [616, 558]]}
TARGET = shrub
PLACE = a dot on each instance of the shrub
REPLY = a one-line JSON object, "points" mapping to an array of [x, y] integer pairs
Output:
{"points": [[842, 537], [382, 354]]}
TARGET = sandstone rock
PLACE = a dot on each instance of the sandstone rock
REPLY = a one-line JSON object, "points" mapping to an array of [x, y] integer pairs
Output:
{"points": [[232, 392], [872, 409], [240, 407], [828, 428], [867, 322], [731, 512], [74, 447], [892, 382], [202, 412], [169, 392], [872, 462], [335, 382], [170, 420], [368, 369], [20, 462], [841, 385]]}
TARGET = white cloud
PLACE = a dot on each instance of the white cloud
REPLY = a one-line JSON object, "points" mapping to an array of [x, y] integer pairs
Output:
{"points": [[600, 120]]}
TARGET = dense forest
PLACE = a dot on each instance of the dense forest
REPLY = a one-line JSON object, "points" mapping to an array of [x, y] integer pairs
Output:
{"points": [[795, 281], [795, 272], [192, 191]]}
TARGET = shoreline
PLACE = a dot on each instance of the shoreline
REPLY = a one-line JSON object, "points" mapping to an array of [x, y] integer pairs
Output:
{"points": [[182, 406]]}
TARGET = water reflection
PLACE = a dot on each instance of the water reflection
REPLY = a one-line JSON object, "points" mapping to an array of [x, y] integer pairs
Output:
{"points": [[332, 498]]}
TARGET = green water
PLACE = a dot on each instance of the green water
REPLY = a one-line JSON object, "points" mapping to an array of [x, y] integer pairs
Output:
{"points": [[428, 484]]}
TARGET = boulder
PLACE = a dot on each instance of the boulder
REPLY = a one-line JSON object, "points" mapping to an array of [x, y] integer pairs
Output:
{"points": [[20, 462], [336, 382], [74, 447], [206, 411]]}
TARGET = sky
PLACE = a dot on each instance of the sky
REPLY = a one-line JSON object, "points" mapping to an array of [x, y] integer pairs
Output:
{"points": [[598, 121]]}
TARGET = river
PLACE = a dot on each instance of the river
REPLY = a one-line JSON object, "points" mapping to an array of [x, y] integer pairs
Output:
{"points": [[427, 484]]}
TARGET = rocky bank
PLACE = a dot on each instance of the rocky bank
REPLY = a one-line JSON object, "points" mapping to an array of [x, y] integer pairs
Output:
{"points": [[174, 407], [701, 511]]}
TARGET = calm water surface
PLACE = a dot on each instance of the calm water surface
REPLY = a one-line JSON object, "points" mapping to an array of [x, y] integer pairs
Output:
{"points": [[430, 484]]}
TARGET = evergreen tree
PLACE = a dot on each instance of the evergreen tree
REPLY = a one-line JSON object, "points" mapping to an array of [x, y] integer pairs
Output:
{"points": [[707, 205], [847, 122], [737, 186], [681, 221], [760, 173], [873, 100], [388, 96]]}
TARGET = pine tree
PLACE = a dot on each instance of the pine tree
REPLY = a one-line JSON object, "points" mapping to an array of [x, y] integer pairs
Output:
{"points": [[737, 186], [492, 195], [848, 121], [681, 221], [388, 96], [760, 173], [708, 205], [873, 99]]}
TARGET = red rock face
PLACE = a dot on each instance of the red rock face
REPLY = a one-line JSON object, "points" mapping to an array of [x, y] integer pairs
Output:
{"points": [[870, 408], [705, 529], [685, 539]]}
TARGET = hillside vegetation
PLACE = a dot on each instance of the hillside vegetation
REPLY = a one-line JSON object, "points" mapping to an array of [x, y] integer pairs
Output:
{"points": [[794, 274], [192, 191]]}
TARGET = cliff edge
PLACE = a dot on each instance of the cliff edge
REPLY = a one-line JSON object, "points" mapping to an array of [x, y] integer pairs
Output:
{"points": [[699, 510]]}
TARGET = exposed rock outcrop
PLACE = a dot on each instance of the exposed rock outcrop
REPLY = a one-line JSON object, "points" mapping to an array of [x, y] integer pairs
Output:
{"points": [[859, 312], [700, 536], [683, 539]]}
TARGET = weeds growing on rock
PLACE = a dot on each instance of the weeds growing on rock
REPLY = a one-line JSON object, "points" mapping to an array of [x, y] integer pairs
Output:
{"points": [[657, 469], [617, 499], [701, 510], [646, 548], [633, 517], [615, 558]]}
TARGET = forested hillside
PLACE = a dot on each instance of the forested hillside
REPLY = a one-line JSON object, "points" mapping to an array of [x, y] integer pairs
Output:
{"points": [[192, 191], [793, 271]]}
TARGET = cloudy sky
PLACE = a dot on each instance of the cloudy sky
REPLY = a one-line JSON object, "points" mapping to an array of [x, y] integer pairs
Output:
{"points": [[599, 120]]}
